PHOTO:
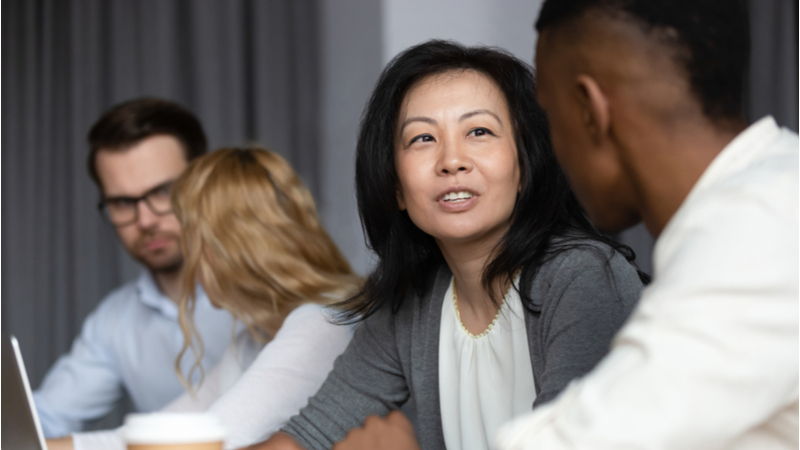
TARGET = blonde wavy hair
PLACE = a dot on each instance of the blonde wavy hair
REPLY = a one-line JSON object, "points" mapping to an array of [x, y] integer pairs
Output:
{"points": [[251, 236]]}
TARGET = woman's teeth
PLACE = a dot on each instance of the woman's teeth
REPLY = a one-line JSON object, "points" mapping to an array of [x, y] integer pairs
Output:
{"points": [[457, 196]]}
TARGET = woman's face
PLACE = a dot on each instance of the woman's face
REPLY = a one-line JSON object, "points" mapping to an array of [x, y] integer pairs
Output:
{"points": [[456, 158]]}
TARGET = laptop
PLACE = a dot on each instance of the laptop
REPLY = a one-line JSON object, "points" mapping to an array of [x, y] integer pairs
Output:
{"points": [[20, 422]]}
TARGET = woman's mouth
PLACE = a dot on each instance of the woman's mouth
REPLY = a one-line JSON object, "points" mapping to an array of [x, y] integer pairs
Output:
{"points": [[457, 200], [455, 197]]}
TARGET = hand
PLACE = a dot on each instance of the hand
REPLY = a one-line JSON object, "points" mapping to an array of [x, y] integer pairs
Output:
{"points": [[64, 443], [278, 441], [393, 432]]}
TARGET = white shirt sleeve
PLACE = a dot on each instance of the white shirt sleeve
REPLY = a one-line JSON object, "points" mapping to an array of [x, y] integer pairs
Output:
{"points": [[709, 360], [214, 384], [289, 370], [83, 384]]}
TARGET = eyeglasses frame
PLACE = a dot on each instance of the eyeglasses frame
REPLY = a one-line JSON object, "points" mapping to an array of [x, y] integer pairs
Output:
{"points": [[102, 204]]}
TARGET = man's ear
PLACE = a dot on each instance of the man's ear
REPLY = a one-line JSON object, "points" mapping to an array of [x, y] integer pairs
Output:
{"points": [[595, 114], [401, 204]]}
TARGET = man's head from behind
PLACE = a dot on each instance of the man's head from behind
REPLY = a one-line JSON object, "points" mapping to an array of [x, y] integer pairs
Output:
{"points": [[137, 149], [610, 72]]}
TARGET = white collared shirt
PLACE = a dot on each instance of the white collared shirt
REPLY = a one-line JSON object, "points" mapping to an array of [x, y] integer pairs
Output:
{"points": [[130, 341], [709, 359]]}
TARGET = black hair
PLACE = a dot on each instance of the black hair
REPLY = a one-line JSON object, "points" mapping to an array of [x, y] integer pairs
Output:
{"points": [[545, 208], [711, 39], [126, 124]]}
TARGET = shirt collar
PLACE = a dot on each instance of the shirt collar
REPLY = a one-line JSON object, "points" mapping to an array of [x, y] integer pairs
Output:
{"points": [[746, 146], [150, 295], [738, 153]]}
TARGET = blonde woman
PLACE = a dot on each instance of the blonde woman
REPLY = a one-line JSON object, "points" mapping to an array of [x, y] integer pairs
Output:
{"points": [[252, 237]]}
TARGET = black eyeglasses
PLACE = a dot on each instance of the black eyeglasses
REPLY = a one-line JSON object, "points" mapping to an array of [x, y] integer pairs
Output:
{"points": [[121, 211]]}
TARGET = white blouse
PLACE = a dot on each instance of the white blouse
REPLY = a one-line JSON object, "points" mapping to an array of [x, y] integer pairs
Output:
{"points": [[484, 380]]}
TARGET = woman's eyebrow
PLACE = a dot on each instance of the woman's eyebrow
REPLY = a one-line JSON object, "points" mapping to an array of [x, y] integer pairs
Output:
{"points": [[466, 116], [417, 119], [463, 117]]}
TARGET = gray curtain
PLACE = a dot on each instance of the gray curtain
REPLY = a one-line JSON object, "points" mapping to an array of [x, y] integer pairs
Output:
{"points": [[773, 84], [248, 68]]}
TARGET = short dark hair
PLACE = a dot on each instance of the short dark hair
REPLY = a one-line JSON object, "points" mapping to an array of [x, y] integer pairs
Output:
{"points": [[711, 39], [545, 207], [126, 124]]}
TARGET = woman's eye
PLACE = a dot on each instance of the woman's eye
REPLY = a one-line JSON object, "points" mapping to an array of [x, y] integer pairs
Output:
{"points": [[422, 138], [480, 132]]}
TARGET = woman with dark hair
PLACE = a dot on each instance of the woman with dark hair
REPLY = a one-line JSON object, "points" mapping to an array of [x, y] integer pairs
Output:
{"points": [[492, 290]]}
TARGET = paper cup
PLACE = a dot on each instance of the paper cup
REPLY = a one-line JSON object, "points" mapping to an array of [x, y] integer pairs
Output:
{"points": [[173, 431]]}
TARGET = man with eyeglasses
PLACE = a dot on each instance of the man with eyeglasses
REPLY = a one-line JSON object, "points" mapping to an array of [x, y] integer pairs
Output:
{"points": [[130, 342]]}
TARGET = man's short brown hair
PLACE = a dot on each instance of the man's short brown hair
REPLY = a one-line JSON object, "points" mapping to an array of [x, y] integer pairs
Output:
{"points": [[128, 123]]}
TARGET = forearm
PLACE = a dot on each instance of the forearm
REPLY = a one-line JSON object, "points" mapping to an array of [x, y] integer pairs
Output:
{"points": [[393, 432], [335, 409], [64, 443], [366, 380]]}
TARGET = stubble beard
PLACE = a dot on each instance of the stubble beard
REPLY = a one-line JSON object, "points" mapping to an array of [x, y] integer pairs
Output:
{"points": [[169, 266]]}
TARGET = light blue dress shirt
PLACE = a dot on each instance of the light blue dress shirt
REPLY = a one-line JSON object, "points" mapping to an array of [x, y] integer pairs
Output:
{"points": [[130, 341]]}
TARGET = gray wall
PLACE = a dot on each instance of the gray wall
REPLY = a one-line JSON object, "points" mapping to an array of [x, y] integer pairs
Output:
{"points": [[507, 24], [350, 44]]}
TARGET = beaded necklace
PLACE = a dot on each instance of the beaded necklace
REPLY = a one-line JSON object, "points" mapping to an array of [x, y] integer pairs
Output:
{"points": [[491, 325]]}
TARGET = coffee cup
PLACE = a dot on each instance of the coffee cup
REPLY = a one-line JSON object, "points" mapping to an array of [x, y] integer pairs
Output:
{"points": [[173, 431]]}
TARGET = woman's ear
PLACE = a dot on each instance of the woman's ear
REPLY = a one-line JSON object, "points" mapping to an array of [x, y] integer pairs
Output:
{"points": [[595, 114]]}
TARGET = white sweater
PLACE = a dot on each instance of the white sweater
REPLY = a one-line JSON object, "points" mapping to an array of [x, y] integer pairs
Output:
{"points": [[252, 390]]}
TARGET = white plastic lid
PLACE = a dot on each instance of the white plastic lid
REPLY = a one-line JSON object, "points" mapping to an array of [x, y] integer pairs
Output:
{"points": [[172, 428]]}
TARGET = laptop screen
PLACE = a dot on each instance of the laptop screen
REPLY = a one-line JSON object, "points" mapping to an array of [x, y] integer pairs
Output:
{"points": [[20, 422]]}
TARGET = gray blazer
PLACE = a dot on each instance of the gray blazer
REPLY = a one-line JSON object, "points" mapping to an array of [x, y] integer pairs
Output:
{"points": [[580, 299]]}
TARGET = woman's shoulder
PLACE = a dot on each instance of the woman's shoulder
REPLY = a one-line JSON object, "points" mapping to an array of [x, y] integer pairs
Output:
{"points": [[586, 263], [586, 254], [309, 311], [314, 316], [580, 252]]}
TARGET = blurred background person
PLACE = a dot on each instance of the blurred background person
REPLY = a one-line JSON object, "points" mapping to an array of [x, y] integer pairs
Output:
{"points": [[253, 239], [130, 341]]}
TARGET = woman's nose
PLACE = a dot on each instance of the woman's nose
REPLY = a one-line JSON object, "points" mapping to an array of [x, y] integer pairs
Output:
{"points": [[453, 158]]}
